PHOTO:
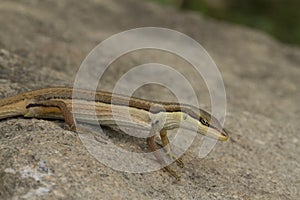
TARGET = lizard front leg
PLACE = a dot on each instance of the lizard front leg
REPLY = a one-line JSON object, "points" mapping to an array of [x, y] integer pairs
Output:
{"points": [[166, 144], [153, 148]]}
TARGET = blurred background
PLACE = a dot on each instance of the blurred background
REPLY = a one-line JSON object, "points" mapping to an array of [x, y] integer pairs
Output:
{"points": [[43, 43], [279, 18]]}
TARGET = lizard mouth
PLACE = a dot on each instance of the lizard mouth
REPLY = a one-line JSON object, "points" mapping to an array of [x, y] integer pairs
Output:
{"points": [[221, 135], [224, 134]]}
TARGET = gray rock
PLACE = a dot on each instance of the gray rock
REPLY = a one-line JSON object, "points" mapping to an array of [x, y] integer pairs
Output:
{"points": [[43, 43]]}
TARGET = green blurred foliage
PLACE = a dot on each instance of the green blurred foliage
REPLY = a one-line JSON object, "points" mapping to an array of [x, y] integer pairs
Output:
{"points": [[280, 18]]}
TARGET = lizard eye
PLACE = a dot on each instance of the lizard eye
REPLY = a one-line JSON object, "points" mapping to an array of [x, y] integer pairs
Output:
{"points": [[204, 122]]}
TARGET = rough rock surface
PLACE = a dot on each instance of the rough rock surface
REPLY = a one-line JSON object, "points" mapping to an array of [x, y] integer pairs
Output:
{"points": [[43, 43]]}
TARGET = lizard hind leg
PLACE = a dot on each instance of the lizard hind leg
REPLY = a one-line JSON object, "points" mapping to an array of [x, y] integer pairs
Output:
{"points": [[166, 144], [62, 107]]}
